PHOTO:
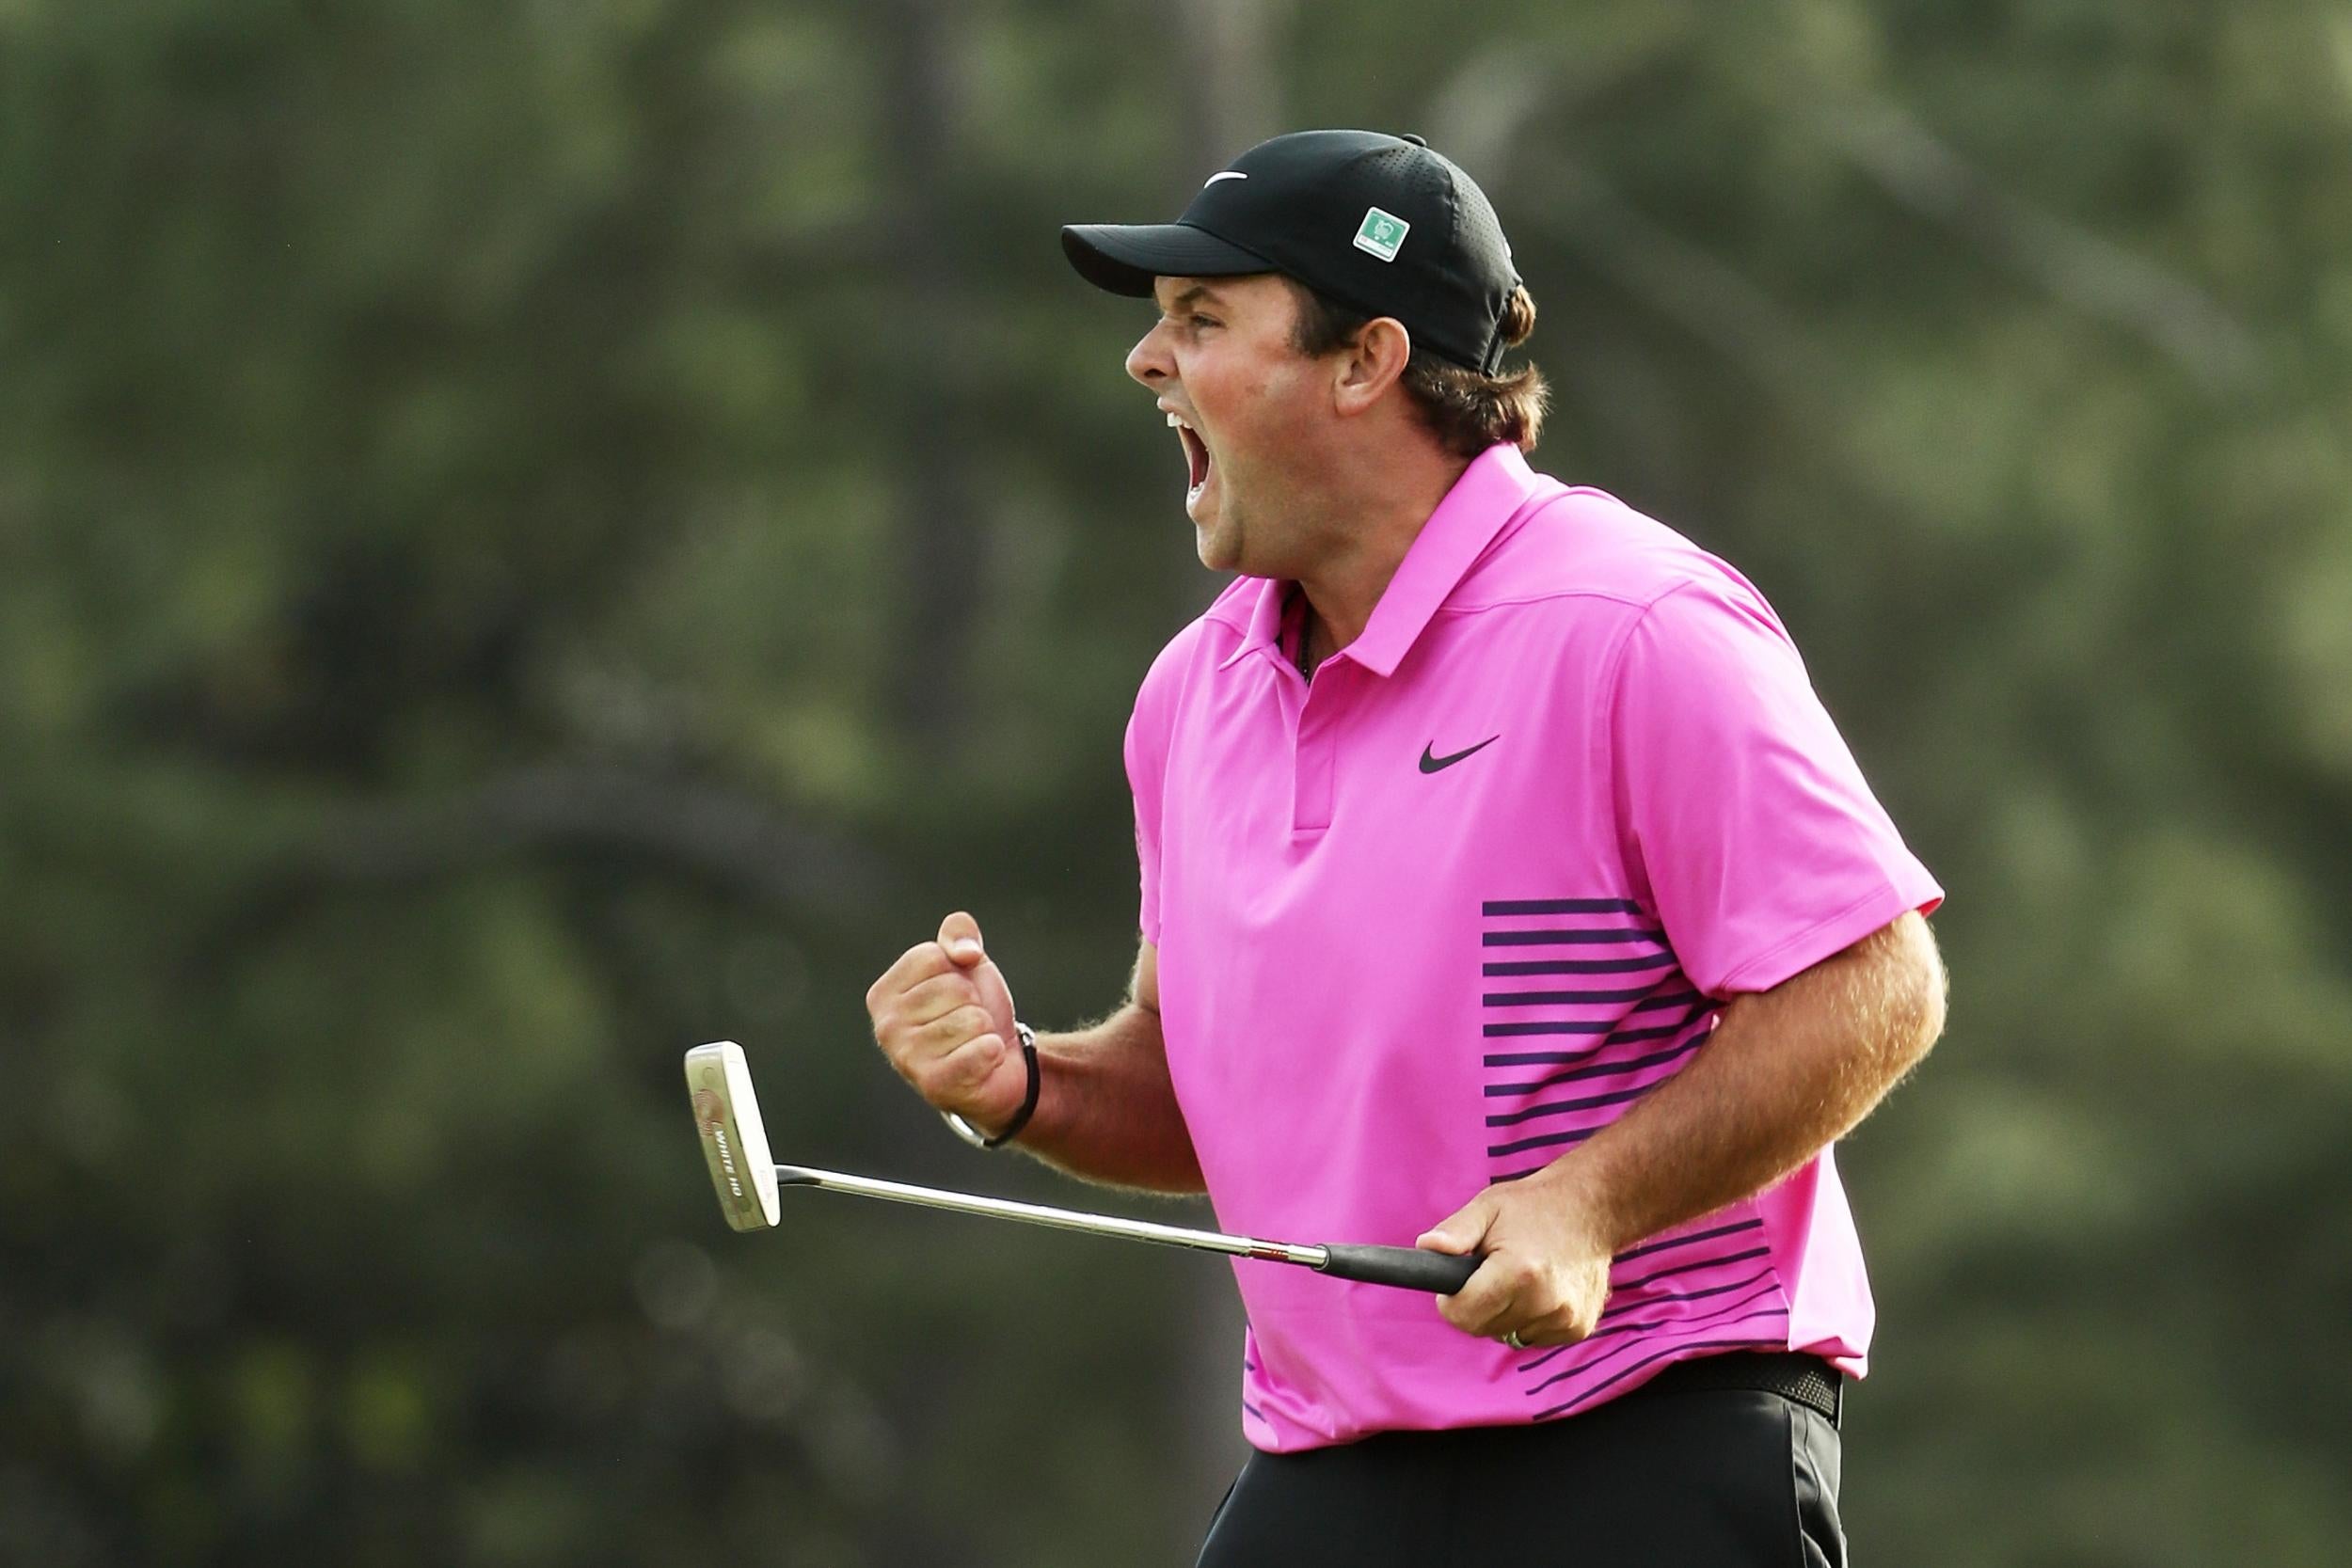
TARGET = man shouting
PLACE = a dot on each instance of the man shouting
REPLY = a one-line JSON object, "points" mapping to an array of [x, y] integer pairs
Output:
{"points": [[1505, 891]]}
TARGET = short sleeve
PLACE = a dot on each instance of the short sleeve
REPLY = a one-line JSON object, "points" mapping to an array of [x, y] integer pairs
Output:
{"points": [[1147, 748], [1743, 818], [1145, 754]]}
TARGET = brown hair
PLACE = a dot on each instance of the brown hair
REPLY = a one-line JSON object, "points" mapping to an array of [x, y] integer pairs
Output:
{"points": [[1466, 411]]}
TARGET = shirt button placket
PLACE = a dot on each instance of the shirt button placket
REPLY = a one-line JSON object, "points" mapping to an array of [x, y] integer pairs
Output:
{"points": [[1318, 745]]}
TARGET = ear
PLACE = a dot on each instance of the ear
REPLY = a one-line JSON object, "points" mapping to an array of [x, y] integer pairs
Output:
{"points": [[1368, 368]]}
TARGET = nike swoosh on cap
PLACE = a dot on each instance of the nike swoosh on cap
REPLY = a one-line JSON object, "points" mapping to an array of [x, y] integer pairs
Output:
{"points": [[1432, 764]]}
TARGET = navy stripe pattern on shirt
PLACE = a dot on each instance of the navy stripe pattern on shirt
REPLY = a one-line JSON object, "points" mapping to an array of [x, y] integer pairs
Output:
{"points": [[1588, 1013], [1584, 1011]]}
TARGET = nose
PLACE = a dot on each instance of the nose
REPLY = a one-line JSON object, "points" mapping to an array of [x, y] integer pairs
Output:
{"points": [[1149, 361]]}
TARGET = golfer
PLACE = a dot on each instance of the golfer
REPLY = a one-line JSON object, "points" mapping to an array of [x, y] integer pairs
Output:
{"points": [[1505, 891]]}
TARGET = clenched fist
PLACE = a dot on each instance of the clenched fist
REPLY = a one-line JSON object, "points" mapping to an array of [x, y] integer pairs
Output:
{"points": [[943, 1016]]}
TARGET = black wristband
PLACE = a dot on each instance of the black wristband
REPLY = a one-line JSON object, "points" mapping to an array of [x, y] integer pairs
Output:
{"points": [[971, 1135], [1028, 1100]]}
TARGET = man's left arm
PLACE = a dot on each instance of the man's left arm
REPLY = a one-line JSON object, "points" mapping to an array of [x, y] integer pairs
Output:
{"points": [[1786, 1072]]}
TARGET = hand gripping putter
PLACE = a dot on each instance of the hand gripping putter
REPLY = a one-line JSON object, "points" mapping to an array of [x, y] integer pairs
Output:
{"points": [[733, 1141]]}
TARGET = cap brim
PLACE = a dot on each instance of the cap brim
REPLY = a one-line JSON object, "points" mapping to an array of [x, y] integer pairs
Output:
{"points": [[1124, 257]]}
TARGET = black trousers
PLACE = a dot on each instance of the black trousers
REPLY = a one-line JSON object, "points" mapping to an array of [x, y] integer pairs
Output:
{"points": [[1708, 1478]]}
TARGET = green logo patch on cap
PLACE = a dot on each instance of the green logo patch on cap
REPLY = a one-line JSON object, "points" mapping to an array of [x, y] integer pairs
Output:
{"points": [[1381, 233]]}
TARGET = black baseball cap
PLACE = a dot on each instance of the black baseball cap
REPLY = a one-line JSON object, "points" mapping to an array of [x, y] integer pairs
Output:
{"points": [[1380, 224]]}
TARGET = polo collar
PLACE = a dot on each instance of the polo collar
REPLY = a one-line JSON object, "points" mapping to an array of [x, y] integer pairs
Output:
{"points": [[1491, 491]]}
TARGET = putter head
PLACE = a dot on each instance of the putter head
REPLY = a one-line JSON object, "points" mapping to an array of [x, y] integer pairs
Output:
{"points": [[727, 1114]]}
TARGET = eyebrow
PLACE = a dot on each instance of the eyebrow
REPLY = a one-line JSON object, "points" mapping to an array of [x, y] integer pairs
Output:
{"points": [[1192, 293]]}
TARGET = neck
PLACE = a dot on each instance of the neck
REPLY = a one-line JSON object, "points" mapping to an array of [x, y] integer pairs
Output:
{"points": [[1373, 520]]}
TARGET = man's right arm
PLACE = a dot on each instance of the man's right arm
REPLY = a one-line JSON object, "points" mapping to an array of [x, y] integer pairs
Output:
{"points": [[1107, 1109]]}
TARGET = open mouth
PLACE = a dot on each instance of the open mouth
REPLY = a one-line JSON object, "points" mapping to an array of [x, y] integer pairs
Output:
{"points": [[1196, 461]]}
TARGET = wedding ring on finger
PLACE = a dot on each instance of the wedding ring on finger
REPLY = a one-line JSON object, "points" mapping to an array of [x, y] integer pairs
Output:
{"points": [[1514, 1341]]}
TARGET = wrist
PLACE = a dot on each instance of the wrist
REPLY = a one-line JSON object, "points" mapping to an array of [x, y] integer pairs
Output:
{"points": [[1569, 1189], [1012, 1129]]}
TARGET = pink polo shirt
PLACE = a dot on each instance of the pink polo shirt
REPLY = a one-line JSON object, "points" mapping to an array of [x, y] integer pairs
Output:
{"points": [[1429, 922]]}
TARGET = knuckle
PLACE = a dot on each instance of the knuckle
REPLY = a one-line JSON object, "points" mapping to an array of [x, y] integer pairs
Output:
{"points": [[955, 1029], [980, 1060]]}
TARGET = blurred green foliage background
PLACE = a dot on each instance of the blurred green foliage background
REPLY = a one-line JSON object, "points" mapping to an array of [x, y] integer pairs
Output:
{"points": [[532, 536]]}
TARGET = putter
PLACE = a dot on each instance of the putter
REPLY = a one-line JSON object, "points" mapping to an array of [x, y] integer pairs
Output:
{"points": [[735, 1141]]}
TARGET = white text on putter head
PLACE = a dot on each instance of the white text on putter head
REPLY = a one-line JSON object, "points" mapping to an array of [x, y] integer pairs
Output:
{"points": [[1381, 233], [726, 1159]]}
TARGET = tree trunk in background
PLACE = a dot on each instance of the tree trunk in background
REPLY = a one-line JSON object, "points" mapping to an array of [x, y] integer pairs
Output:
{"points": [[1231, 99], [940, 530]]}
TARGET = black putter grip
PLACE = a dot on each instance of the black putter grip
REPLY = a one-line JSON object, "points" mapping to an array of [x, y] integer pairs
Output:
{"points": [[1406, 1266]]}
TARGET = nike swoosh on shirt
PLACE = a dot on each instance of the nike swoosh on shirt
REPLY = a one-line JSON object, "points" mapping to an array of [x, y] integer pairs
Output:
{"points": [[1432, 764]]}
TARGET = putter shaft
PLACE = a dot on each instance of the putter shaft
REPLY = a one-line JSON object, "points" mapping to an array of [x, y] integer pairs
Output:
{"points": [[1060, 1219]]}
